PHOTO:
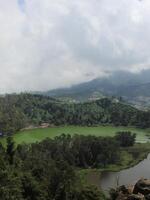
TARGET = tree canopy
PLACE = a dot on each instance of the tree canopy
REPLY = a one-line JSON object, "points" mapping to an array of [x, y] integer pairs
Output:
{"points": [[19, 111], [46, 171]]}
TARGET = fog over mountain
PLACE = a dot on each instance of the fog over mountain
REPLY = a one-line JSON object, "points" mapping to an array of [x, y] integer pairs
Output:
{"points": [[132, 87], [50, 44]]}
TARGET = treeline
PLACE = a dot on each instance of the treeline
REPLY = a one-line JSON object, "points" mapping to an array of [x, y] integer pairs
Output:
{"points": [[12, 117], [82, 151], [18, 111], [47, 170]]}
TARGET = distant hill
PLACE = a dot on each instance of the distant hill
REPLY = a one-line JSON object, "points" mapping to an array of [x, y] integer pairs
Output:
{"points": [[134, 88], [24, 110]]}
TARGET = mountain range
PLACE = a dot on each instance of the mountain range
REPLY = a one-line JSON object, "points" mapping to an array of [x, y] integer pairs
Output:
{"points": [[132, 87]]}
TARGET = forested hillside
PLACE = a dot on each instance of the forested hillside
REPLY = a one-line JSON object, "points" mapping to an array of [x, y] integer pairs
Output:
{"points": [[19, 111], [133, 87]]}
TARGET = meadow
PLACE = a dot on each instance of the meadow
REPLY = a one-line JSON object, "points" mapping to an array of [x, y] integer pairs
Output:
{"points": [[39, 134]]}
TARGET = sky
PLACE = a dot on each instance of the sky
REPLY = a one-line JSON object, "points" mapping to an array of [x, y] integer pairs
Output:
{"points": [[56, 43]]}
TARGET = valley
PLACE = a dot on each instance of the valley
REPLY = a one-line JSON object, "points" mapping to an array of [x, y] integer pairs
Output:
{"points": [[39, 134], [74, 100], [43, 138]]}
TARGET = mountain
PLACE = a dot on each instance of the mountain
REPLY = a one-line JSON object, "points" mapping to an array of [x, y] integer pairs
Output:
{"points": [[133, 87]]}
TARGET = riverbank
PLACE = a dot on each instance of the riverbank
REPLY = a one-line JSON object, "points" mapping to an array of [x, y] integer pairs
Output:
{"points": [[130, 157]]}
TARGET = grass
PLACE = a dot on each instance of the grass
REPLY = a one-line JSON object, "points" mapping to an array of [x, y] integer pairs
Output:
{"points": [[37, 135], [88, 176]]}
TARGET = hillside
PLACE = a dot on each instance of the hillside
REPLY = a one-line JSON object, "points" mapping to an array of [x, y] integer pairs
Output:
{"points": [[27, 109], [134, 88]]}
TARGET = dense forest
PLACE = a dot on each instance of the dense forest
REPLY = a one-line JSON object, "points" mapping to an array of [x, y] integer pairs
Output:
{"points": [[19, 111], [47, 170]]}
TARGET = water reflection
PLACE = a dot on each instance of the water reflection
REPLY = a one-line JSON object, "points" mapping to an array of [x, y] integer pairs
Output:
{"points": [[126, 177]]}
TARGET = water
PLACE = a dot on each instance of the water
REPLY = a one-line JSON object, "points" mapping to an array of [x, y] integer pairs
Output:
{"points": [[125, 177]]}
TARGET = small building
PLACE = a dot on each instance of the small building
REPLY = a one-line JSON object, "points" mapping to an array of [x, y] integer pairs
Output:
{"points": [[44, 125]]}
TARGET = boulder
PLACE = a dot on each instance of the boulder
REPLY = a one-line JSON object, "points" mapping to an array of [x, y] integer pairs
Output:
{"points": [[130, 197], [141, 191], [147, 197], [136, 197], [142, 187]]}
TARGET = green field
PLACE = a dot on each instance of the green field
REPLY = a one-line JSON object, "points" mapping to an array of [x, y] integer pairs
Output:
{"points": [[37, 135]]}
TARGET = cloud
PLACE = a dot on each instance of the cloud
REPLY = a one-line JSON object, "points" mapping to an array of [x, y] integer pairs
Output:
{"points": [[21, 4], [49, 44]]}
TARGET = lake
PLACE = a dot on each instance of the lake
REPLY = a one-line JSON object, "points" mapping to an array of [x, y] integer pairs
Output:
{"points": [[125, 177]]}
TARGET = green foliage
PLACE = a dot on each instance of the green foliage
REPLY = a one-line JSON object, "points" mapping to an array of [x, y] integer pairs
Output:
{"points": [[10, 184], [46, 170], [12, 119], [18, 111], [125, 138], [83, 151], [10, 149], [113, 194], [89, 193]]}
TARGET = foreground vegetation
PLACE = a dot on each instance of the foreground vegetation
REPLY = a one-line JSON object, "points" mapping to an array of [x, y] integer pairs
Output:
{"points": [[47, 170], [19, 111]]}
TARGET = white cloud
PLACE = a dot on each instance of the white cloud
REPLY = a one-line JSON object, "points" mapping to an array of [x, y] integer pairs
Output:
{"points": [[48, 44]]}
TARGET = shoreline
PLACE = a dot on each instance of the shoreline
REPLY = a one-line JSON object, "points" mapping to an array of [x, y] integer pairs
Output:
{"points": [[93, 176]]}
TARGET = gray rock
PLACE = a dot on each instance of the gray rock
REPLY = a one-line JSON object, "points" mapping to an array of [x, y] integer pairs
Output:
{"points": [[142, 187]]}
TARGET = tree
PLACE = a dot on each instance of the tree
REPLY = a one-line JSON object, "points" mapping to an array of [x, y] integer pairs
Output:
{"points": [[89, 193], [10, 185], [10, 150], [125, 138]]}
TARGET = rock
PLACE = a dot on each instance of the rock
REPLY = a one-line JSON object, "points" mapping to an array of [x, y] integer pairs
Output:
{"points": [[123, 189], [142, 187], [125, 193], [147, 197], [141, 191], [136, 197], [130, 197]]}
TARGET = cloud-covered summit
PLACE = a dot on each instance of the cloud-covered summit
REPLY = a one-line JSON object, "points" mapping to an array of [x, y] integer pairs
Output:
{"points": [[48, 44]]}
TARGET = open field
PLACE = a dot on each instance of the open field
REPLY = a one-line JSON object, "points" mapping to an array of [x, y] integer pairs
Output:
{"points": [[37, 135]]}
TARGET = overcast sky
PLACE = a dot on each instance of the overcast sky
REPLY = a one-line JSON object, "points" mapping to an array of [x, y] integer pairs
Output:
{"points": [[46, 44]]}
